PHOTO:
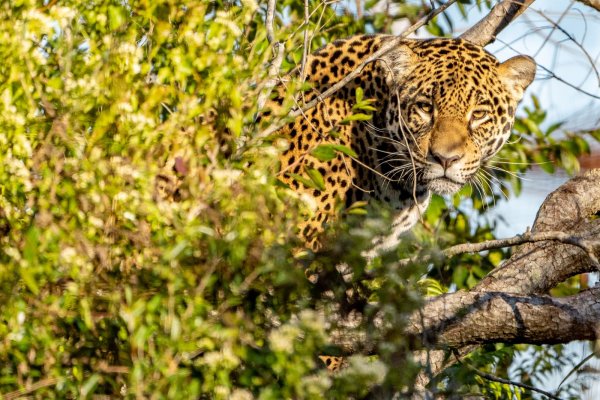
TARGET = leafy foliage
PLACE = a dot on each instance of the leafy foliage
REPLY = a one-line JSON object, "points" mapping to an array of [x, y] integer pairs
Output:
{"points": [[143, 254]]}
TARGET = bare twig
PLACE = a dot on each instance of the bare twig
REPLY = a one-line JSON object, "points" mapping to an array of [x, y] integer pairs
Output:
{"points": [[558, 78], [503, 13], [571, 85], [554, 26], [103, 366], [579, 45], [495, 378], [277, 50], [30, 389], [269, 21], [585, 244], [306, 46]]}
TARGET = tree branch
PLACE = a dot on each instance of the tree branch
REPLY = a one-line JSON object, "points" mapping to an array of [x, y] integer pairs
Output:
{"points": [[494, 378], [485, 31], [592, 3], [278, 48], [538, 267], [466, 318], [589, 244]]}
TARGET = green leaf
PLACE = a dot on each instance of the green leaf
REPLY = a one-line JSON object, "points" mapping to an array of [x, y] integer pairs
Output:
{"points": [[116, 17], [471, 281], [90, 384], [583, 145], [346, 150], [569, 162], [536, 101], [358, 204], [317, 178], [570, 146], [30, 250], [432, 287], [596, 134], [364, 106], [359, 94], [553, 128], [357, 208], [459, 276], [357, 211], [324, 152], [532, 127], [306, 182], [356, 117], [434, 28], [29, 279], [437, 206], [519, 126]]}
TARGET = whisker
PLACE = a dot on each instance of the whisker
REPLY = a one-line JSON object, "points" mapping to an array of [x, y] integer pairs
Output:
{"points": [[479, 187], [489, 185], [496, 168], [372, 127], [495, 181]]}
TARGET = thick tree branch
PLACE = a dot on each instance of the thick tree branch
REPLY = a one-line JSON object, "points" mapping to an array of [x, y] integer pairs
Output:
{"points": [[465, 318], [502, 14]]}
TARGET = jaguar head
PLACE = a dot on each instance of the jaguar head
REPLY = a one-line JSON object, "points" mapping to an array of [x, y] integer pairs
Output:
{"points": [[452, 109]]}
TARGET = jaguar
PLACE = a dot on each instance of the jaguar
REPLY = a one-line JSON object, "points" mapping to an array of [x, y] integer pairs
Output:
{"points": [[440, 109]]}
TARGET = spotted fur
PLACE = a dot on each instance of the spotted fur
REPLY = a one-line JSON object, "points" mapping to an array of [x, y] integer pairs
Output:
{"points": [[442, 108]]}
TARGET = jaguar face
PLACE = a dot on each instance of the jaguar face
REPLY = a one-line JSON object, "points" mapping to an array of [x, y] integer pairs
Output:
{"points": [[453, 113]]}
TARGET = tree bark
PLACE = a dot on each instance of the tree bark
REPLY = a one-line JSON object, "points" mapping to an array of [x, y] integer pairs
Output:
{"points": [[485, 31], [468, 318], [592, 3]]}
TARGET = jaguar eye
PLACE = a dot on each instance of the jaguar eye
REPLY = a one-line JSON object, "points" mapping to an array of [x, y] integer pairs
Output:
{"points": [[478, 114], [427, 108]]}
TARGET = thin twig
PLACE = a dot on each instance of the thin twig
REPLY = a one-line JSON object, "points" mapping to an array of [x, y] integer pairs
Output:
{"points": [[555, 24], [587, 245], [558, 78], [30, 389], [570, 37], [495, 378], [306, 46], [276, 64]]}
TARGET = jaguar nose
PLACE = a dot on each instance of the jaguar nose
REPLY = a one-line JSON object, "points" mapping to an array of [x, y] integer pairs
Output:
{"points": [[445, 160]]}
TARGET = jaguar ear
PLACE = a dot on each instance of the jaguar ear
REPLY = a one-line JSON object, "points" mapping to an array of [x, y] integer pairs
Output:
{"points": [[398, 62], [517, 73]]}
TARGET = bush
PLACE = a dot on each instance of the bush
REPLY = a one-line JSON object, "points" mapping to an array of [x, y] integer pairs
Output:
{"points": [[142, 252]]}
